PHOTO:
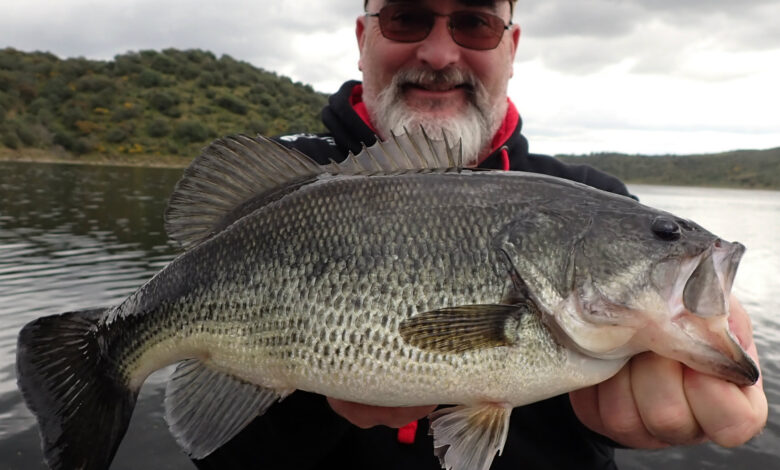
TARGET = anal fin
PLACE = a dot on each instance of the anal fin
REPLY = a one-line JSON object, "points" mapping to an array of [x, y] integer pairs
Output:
{"points": [[206, 408], [468, 437]]}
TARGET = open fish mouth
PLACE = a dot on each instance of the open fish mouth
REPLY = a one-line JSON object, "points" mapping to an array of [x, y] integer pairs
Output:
{"points": [[700, 310], [707, 289]]}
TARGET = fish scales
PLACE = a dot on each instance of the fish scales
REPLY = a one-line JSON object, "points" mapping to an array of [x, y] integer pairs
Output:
{"points": [[331, 271]]}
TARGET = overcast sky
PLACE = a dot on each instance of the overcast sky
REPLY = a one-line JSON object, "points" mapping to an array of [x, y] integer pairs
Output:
{"points": [[640, 76]]}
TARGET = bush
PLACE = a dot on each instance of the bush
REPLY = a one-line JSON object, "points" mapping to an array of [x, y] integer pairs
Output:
{"points": [[173, 112], [162, 100], [158, 128], [123, 113], [127, 64], [26, 134], [10, 140], [208, 79], [150, 79], [104, 99], [164, 64], [62, 138], [94, 83], [46, 117], [72, 115], [191, 132], [72, 69], [197, 56], [81, 146], [10, 59], [38, 104], [57, 90], [7, 81], [28, 90], [232, 104], [41, 136], [116, 135], [188, 71]]}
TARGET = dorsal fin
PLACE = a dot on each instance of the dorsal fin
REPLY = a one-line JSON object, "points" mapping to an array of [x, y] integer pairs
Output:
{"points": [[236, 170], [403, 152], [227, 173]]}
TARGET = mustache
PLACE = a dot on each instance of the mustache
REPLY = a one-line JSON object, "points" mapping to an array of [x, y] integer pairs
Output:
{"points": [[447, 77]]}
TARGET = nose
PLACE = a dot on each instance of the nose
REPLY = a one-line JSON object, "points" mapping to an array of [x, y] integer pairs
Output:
{"points": [[438, 50]]}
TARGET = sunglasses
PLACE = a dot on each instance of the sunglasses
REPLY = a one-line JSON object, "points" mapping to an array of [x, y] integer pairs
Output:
{"points": [[412, 23]]}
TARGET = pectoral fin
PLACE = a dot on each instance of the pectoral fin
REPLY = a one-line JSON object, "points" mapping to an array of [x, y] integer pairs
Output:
{"points": [[464, 328], [468, 437]]}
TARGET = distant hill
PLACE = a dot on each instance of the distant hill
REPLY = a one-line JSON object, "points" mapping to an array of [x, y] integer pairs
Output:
{"points": [[147, 102], [759, 169], [148, 106]]}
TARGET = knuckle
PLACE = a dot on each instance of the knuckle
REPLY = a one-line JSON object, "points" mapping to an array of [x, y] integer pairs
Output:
{"points": [[622, 423], [672, 424], [739, 432]]}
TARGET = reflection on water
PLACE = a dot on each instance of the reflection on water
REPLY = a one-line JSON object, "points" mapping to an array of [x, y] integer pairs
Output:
{"points": [[73, 237]]}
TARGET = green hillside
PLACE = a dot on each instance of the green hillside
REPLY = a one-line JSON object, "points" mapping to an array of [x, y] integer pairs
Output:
{"points": [[147, 102], [759, 169]]}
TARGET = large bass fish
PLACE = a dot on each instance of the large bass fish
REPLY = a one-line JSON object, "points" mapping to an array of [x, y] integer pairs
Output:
{"points": [[482, 289]]}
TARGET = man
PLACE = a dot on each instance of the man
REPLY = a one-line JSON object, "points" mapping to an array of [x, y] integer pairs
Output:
{"points": [[444, 65]]}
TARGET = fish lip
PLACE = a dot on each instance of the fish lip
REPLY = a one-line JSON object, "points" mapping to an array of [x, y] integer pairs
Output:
{"points": [[707, 289], [745, 372], [727, 261], [720, 354], [719, 261], [712, 273]]}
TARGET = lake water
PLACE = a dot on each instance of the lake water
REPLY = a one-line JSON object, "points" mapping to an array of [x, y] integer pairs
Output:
{"points": [[74, 236]]}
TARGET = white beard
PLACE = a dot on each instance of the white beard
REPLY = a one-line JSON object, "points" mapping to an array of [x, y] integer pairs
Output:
{"points": [[474, 127]]}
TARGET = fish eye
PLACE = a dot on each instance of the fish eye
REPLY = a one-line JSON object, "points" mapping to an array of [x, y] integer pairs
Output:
{"points": [[666, 228]]}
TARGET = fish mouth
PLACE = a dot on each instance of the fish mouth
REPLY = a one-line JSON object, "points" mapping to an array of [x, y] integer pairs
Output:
{"points": [[707, 288], [700, 310]]}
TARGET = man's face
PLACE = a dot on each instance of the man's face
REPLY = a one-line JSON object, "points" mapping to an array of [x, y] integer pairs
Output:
{"points": [[435, 82]]}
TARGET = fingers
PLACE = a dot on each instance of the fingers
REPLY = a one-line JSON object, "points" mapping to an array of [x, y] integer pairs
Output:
{"points": [[585, 403], [368, 416], [729, 415], [659, 392], [609, 409], [654, 402]]}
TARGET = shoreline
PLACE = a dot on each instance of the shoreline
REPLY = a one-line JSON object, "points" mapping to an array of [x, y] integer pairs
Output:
{"points": [[178, 162], [61, 157]]}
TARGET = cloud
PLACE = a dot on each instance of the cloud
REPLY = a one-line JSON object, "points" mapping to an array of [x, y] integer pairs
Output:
{"points": [[279, 36], [590, 75], [657, 36]]}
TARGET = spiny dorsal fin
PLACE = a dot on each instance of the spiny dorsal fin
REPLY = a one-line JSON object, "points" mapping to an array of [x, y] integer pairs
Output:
{"points": [[236, 169], [404, 152]]}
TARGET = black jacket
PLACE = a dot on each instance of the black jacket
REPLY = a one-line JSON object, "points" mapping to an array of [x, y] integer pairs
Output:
{"points": [[302, 432]]}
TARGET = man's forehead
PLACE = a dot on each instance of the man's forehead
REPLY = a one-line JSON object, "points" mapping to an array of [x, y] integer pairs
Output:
{"points": [[465, 3]]}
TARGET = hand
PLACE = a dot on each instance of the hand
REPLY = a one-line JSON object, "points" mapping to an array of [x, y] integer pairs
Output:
{"points": [[368, 416], [656, 402]]}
